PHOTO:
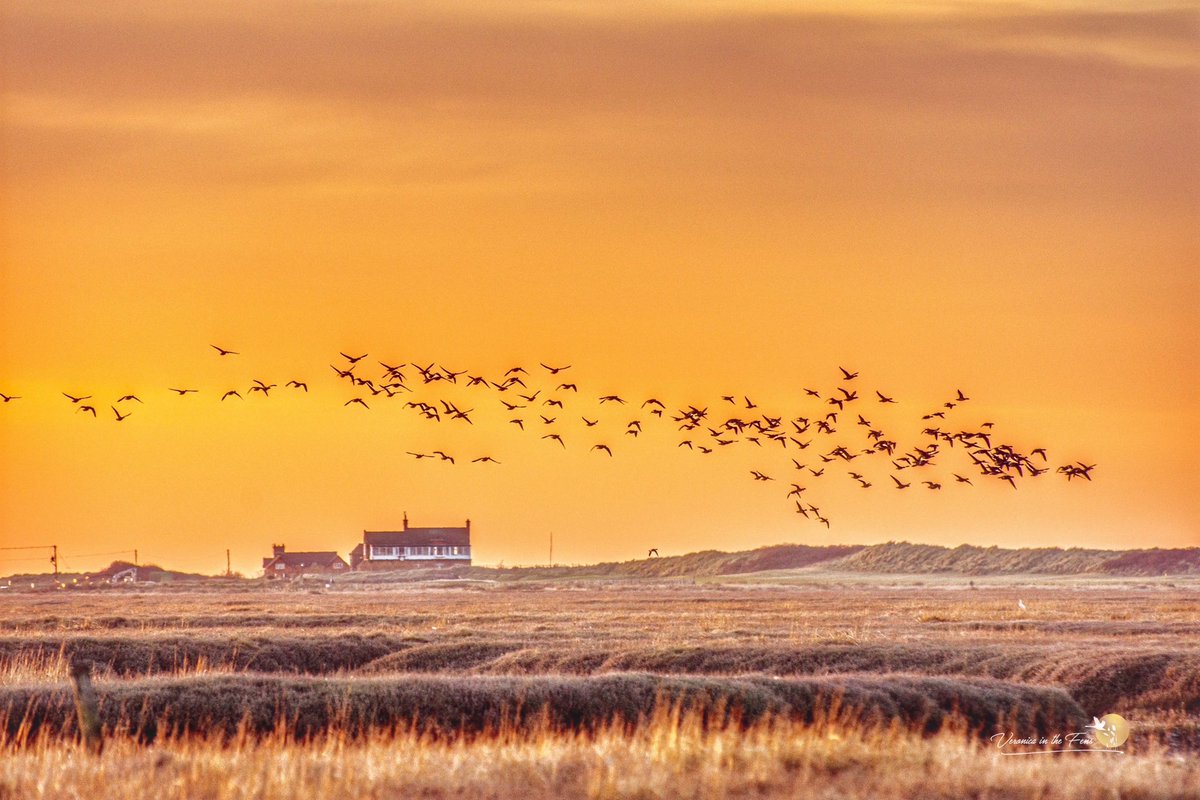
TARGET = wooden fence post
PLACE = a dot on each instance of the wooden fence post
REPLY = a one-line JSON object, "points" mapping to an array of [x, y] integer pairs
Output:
{"points": [[87, 706]]}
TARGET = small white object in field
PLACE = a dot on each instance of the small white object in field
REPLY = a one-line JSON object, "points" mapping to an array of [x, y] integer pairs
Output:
{"points": [[1020, 604]]}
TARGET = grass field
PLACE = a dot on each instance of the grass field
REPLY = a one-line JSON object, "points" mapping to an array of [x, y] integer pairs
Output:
{"points": [[775, 685]]}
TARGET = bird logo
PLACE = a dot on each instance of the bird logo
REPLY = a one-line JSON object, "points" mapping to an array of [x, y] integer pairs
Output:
{"points": [[1109, 731]]}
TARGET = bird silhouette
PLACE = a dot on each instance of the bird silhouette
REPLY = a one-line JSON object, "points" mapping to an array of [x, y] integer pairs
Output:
{"points": [[884, 398], [231, 393], [222, 351], [76, 399], [653, 552], [182, 392], [86, 408], [603, 447], [8, 398], [353, 359], [358, 400], [123, 398], [484, 460], [555, 370], [899, 483], [589, 422], [297, 385], [120, 416], [556, 438], [847, 374]]}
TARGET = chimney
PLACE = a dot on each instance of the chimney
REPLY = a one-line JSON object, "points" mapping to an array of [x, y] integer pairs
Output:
{"points": [[278, 548], [468, 526], [405, 520]]}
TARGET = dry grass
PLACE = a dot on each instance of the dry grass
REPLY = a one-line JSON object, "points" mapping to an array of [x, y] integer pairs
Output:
{"points": [[259, 704], [671, 756], [364, 674]]}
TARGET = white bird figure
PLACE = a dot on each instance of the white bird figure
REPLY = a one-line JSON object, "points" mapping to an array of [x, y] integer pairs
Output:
{"points": [[1020, 604], [1097, 724]]}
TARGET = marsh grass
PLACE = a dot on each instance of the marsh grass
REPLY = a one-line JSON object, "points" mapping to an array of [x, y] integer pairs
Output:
{"points": [[673, 754], [602, 690]]}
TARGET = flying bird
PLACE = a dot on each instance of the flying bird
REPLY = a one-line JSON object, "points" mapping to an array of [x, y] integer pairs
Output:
{"points": [[297, 385], [8, 397], [484, 460], [353, 359], [87, 408], [883, 398], [555, 370], [222, 351], [231, 393], [556, 438], [129, 397], [182, 392], [120, 416], [603, 447], [76, 399], [653, 552], [847, 374], [358, 400]]}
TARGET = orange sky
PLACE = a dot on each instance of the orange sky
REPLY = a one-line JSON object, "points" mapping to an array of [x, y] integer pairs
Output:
{"points": [[681, 200]]}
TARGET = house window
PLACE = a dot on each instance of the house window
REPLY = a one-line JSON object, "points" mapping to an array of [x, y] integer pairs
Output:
{"points": [[279, 565]]}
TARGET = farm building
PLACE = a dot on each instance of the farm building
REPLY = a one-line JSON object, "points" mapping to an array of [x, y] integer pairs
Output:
{"points": [[290, 565], [413, 547]]}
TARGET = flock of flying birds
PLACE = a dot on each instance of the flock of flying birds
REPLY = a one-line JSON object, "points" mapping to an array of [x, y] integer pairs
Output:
{"points": [[836, 434]]}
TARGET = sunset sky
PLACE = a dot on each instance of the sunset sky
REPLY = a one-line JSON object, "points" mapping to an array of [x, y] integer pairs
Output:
{"points": [[681, 200]]}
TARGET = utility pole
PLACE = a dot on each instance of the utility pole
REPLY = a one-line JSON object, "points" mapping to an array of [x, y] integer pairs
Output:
{"points": [[53, 548], [552, 548], [135, 558], [228, 570]]}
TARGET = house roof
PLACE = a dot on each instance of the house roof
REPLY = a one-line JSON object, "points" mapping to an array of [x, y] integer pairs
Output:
{"points": [[313, 559], [419, 537]]}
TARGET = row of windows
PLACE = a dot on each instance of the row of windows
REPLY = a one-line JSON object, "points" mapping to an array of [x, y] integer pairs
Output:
{"points": [[395, 552]]}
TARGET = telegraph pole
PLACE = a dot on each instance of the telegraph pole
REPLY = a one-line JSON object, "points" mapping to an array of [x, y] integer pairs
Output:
{"points": [[228, 569]]}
